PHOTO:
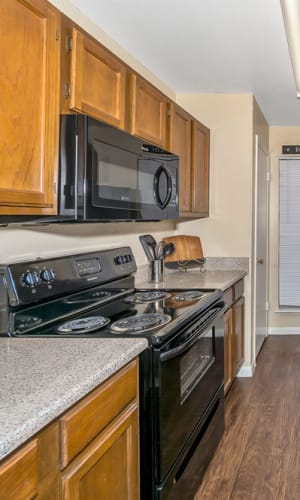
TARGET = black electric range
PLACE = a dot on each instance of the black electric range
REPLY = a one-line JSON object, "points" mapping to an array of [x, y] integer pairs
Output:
{"points": [[181, 372]]}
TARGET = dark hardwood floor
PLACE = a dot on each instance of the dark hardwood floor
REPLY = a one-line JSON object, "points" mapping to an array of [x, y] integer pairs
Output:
{"points": [[259, 455]]}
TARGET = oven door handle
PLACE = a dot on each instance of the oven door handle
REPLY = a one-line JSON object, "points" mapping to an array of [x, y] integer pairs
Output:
{"points": [[177, 351]]}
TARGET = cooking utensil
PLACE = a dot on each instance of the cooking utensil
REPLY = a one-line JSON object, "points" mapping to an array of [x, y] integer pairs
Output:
{"points": [[159, 249], [167, 250], [151, 243], [147, 249]]}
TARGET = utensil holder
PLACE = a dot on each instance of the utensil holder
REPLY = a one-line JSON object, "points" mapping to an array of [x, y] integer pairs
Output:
{"points": [[157, 271]]}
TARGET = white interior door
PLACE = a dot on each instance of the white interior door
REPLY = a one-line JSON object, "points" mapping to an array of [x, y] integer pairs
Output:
{"points": [[262, 218]]}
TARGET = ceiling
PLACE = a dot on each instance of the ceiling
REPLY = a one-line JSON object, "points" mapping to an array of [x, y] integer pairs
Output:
{"points": [[199, 46]]}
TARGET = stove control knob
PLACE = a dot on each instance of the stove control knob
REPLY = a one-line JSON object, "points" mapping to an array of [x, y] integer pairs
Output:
{"points": [[47, 275], [119, 260], [31, 278]]}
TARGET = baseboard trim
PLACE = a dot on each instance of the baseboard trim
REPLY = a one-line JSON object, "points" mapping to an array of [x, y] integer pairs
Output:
{"points": [[246, 371], [284, 330]]}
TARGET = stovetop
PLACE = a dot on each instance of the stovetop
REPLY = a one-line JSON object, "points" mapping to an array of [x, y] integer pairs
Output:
{"points": [[92, 295], [72, 316]]}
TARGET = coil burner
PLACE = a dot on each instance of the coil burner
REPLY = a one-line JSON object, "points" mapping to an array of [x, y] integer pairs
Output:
{"points": [[83, 325], [152, 296], [140, 323], [188, 295]]}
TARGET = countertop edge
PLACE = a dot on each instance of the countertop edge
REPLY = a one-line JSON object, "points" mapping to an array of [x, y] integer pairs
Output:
{"points": [[20, 434]]}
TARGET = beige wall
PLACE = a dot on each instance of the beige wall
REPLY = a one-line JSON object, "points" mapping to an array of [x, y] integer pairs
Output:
{"points": [[20, 243], [278, 137], [228, 231], [88, 25]]}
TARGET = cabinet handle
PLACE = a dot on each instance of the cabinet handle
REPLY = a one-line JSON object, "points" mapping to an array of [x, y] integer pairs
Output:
{"points": [[260, 261]]}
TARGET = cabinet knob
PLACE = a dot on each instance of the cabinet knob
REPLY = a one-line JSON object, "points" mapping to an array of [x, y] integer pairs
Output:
{"points": [[260, 261]]}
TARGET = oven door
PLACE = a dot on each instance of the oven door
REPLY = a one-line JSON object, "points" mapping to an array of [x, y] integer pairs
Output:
{"points": [[188, 372]]}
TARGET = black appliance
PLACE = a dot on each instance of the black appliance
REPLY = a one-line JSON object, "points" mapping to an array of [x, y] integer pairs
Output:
{"points": [[108, 174], [181, 372]]}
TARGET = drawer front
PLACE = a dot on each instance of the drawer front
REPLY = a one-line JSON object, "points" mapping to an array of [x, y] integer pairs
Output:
{"points": [[18, 475], [228, 297], [88, 418], [238, 290]]}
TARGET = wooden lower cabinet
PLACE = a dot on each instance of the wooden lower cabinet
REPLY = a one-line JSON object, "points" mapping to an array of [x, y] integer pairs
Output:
{"points": [[228, 334], [238, 312], [33, 470], [233, 334], [108, 468], [102, 462]]}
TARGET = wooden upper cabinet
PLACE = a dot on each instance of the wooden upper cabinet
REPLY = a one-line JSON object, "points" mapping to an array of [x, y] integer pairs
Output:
{"points": [[200, 169], [147, 111], [97, 81], [189, 139], [29, 107], [179, 142]]}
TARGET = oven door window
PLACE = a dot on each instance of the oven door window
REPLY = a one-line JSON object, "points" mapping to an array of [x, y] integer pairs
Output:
{"points": [[195, 363]]}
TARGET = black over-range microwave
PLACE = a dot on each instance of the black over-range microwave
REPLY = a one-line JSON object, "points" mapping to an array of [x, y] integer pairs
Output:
{"points": [[107, 174]]}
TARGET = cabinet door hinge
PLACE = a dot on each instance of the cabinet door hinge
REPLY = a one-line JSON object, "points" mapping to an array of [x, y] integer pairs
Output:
{"points": [[67, 91], [69, 43], [57, 35]]}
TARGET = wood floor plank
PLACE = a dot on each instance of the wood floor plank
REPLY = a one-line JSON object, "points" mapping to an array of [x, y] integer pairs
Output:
{"points": [[259, 455]]}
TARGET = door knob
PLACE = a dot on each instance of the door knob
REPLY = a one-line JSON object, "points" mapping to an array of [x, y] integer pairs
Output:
{"points": [[260, 261]]}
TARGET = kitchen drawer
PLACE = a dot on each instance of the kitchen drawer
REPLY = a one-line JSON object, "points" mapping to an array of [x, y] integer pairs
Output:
{"points": [[19, 474], [85, 420], [238, 290], [228, 297]]}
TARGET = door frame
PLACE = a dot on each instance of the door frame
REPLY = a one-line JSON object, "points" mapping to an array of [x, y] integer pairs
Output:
{"points": [[254, 263]]}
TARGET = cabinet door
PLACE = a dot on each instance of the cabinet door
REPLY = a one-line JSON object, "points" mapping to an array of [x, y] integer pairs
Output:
{"points": [[228, 353], [200, 169], [97, 81], [238, 309], [179, 142], [19, 474], [108, 468], [29, 107], [147, 111]]}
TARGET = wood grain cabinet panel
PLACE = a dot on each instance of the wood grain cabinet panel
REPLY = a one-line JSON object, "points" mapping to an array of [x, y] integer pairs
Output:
{"points": [[98, 81], [147, 111], [200, 169], [108, 468], [19, 474], [90, 416], [233, 332], [29, 107], [179, 142], [190, 139], [239, 307], [228, 334]]}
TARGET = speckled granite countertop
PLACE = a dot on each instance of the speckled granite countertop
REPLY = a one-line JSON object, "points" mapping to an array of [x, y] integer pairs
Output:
{"points": [[41, 378], [196, 279]]}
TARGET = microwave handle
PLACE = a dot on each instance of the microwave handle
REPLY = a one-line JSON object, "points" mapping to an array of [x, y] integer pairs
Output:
{"points": [[162, 203], [177, 351]]}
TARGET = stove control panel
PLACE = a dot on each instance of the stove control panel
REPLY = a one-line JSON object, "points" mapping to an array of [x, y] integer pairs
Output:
{"points": [[30, 282]]}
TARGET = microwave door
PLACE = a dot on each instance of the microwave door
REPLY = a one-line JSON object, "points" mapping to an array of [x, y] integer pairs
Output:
{"points": [[113, 192]]}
